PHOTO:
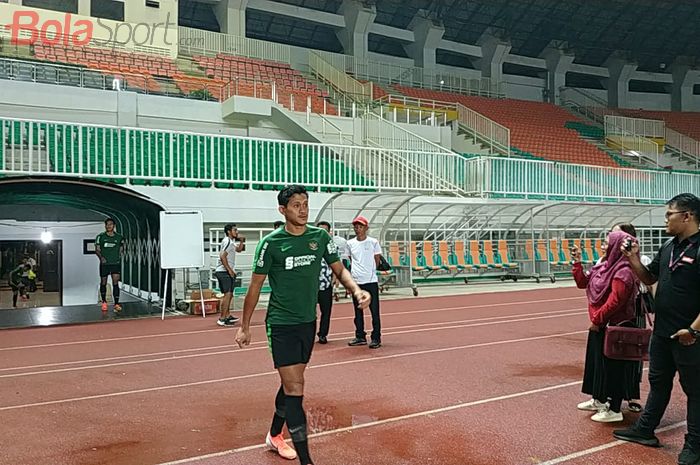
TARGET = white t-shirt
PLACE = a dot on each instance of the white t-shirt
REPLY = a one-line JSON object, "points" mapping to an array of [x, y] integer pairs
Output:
{"points": [[340, 243], [229, 245], [363, 265]]}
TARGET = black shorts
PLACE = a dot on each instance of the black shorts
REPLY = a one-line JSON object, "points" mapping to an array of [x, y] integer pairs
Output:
{"points": [[107, 269], [225, 281], [291, 344]]}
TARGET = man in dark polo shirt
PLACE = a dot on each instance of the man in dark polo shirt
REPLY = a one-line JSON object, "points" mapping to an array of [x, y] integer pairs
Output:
{"points": [[674, 344]]}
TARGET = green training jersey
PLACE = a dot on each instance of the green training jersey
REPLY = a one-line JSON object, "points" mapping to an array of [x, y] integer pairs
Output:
{"points": [[16, 275], [292, 264], [110, 247]]}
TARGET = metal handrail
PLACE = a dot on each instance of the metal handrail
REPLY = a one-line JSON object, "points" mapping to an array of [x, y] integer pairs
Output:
{"points": [[77, 76], [338, 78]]}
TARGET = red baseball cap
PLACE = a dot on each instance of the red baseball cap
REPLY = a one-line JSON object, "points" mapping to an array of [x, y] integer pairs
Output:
{"points": [[362, 220]]}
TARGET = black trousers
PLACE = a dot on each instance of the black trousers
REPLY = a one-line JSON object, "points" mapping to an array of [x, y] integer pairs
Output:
{"points": [[325, 304], [373, 289], [666, 356]]}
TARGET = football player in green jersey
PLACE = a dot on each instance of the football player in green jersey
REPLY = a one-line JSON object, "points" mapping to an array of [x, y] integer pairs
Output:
{"points": [[109, 248], [291, 258]]}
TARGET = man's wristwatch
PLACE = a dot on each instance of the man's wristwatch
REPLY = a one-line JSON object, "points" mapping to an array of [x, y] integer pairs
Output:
{"points": [[694, 332]]}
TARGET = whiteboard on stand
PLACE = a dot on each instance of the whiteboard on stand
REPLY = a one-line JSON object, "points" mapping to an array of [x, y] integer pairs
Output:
{"points": [[181, 240]]}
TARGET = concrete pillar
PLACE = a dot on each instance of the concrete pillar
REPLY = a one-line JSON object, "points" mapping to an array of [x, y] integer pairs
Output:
{"points": [[427, 36], [358, 20], [493, 54], [618, 83], [684, 78], [84, 8], [558, 63], [127, 109], [231, 16]]}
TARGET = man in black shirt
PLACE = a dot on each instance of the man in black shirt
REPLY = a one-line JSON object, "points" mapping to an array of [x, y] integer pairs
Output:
{"points": [[674, 344]]}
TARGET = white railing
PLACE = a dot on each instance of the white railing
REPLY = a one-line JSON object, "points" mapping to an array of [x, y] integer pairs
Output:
{"points": [[629, 141], [638, 126], [386, 134], [684, 146], [328, 130], [201, 42], [518, 178], [77, 76], [494, 135], [129, 155], [595, 109], [413, 76], [338, 79], [183, 159], [410, 110], [197, 41]]}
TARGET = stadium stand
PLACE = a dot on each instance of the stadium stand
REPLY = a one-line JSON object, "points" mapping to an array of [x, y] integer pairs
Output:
{"points": [[221, 76], [537, 129], [687, 123]]}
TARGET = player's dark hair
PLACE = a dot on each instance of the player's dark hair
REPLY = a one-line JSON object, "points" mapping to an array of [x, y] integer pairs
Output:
{"points": [[288, 192], [277, 224], [110, 219], [628, 228], [324, 223], [687, 202], [229, 227]]}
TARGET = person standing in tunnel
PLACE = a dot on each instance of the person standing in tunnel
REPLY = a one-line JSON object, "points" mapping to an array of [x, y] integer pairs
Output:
{"points": [[109, 248]]}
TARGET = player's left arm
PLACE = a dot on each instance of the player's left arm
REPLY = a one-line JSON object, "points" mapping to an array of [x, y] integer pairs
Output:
{"points": [[345, 278], [377, 253]]}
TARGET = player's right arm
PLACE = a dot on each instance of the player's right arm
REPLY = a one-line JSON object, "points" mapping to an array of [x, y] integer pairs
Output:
{"points": [[251, 300], [98, 249], [261, 267]]}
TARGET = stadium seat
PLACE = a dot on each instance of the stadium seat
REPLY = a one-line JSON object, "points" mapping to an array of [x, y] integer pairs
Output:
{"points": [[537, 129]]}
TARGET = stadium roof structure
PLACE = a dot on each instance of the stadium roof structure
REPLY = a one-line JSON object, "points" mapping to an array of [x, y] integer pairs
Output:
{"points": [[652, 33], [391, 216]]}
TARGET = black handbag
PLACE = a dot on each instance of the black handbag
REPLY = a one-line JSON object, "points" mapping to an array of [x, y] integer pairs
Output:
{"points": [[383, 264]]}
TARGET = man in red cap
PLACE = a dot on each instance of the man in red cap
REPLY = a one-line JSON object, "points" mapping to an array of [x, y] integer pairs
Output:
{"points": [[364, 253]]}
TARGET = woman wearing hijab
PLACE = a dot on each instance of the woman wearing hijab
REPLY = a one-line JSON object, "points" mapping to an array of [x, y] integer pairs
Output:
{"points": [[611, 287]]}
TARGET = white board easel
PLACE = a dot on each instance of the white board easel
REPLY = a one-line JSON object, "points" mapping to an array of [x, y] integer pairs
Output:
{"points": [[181, 246]]}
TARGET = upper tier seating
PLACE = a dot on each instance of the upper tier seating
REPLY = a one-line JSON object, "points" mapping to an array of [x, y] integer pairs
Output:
{"points": [[137, 70], [255, 77], [536, 128], [687, 123]]}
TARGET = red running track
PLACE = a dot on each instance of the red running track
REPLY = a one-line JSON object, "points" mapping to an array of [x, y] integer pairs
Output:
{"points": [[477, 379]]}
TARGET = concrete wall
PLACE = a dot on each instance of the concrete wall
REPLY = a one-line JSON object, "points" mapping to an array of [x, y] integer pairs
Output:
{"points": [[28, 100]]}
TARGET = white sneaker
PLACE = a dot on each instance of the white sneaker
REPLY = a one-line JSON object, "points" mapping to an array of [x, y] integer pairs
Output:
{"points": [[607, 416], [591, 405]]}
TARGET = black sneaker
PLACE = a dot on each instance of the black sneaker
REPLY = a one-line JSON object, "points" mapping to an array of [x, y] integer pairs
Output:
{"points": [[358, 342], [322, 340], [232, 318], [375, 345], [635, 435], [688, 456]]}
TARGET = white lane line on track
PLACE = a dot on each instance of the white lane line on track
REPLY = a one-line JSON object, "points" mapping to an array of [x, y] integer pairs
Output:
{"points": [[602, 447], [197, 349], [385, 421], [263, 345], [268, 373], [181, 333]]}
